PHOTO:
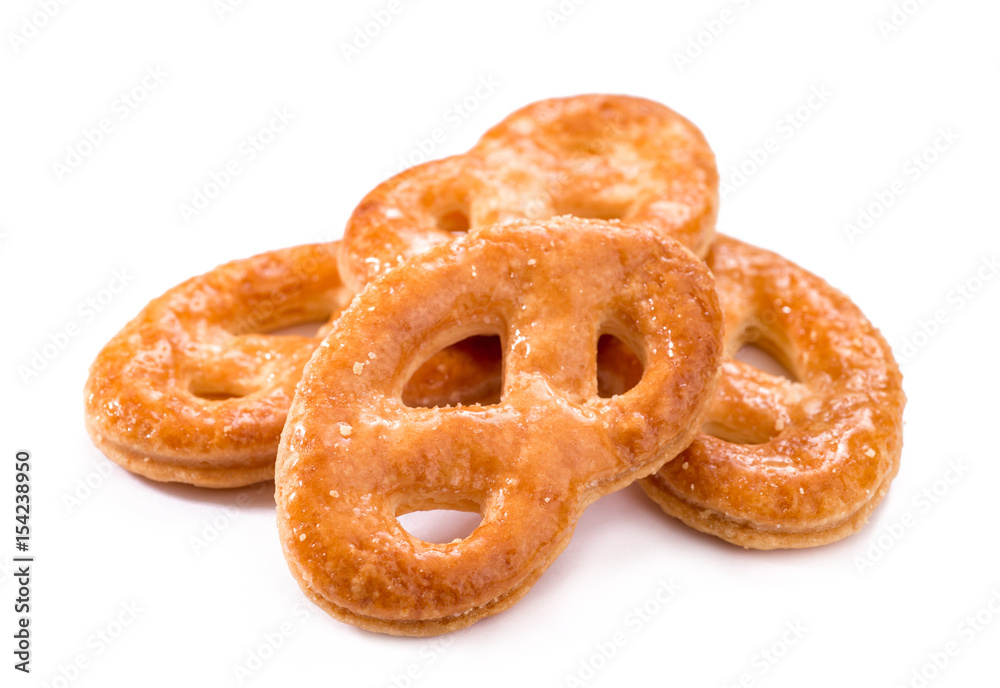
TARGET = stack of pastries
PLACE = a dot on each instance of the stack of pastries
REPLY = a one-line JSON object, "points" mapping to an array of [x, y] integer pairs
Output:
{"points": [[514, 331]]}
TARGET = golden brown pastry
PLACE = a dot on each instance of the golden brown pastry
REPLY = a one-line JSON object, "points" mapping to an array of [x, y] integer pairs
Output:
{"points": [[598, 156], [354, 456], [785, 464], [194, 390]]}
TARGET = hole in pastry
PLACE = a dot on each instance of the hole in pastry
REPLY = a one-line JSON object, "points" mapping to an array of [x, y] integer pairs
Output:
{"points": [[759, 356], [441, 525], [619, 369], [214, 391], [454, 221], [466, 373]]}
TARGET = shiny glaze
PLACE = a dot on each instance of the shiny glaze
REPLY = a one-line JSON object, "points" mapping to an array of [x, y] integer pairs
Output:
{"points": [[353, 456], [597, 156], [194, 390], [782, 463]]}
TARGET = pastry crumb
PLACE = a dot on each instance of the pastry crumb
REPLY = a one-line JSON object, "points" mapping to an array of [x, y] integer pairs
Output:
{"points": [[371, 355], [870, 453], [358, 367], [345, 429], [302, 537], [779, 424], [685, 465], [334, 493]]}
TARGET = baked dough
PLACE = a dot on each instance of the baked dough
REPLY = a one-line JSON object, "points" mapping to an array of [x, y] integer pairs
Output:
{"points": [[194, 390], [785, 464], [596, 156], [353, 456]]}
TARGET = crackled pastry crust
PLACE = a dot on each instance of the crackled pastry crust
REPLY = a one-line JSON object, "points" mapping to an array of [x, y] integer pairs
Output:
{"points": [[353, 457], [786, 464], [599, 156]]}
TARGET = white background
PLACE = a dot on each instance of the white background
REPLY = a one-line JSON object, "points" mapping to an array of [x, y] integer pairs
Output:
{"points": [[127, 542]]}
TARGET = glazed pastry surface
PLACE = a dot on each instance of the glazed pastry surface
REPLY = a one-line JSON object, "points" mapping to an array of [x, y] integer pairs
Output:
{"points": [[783, 463], [591, 156], [354, 456]]}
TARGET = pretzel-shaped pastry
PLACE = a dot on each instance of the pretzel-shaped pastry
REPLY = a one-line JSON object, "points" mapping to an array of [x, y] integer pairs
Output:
{"points": [[353, 457], [601, 156], [190, 391], [787, 464]]}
